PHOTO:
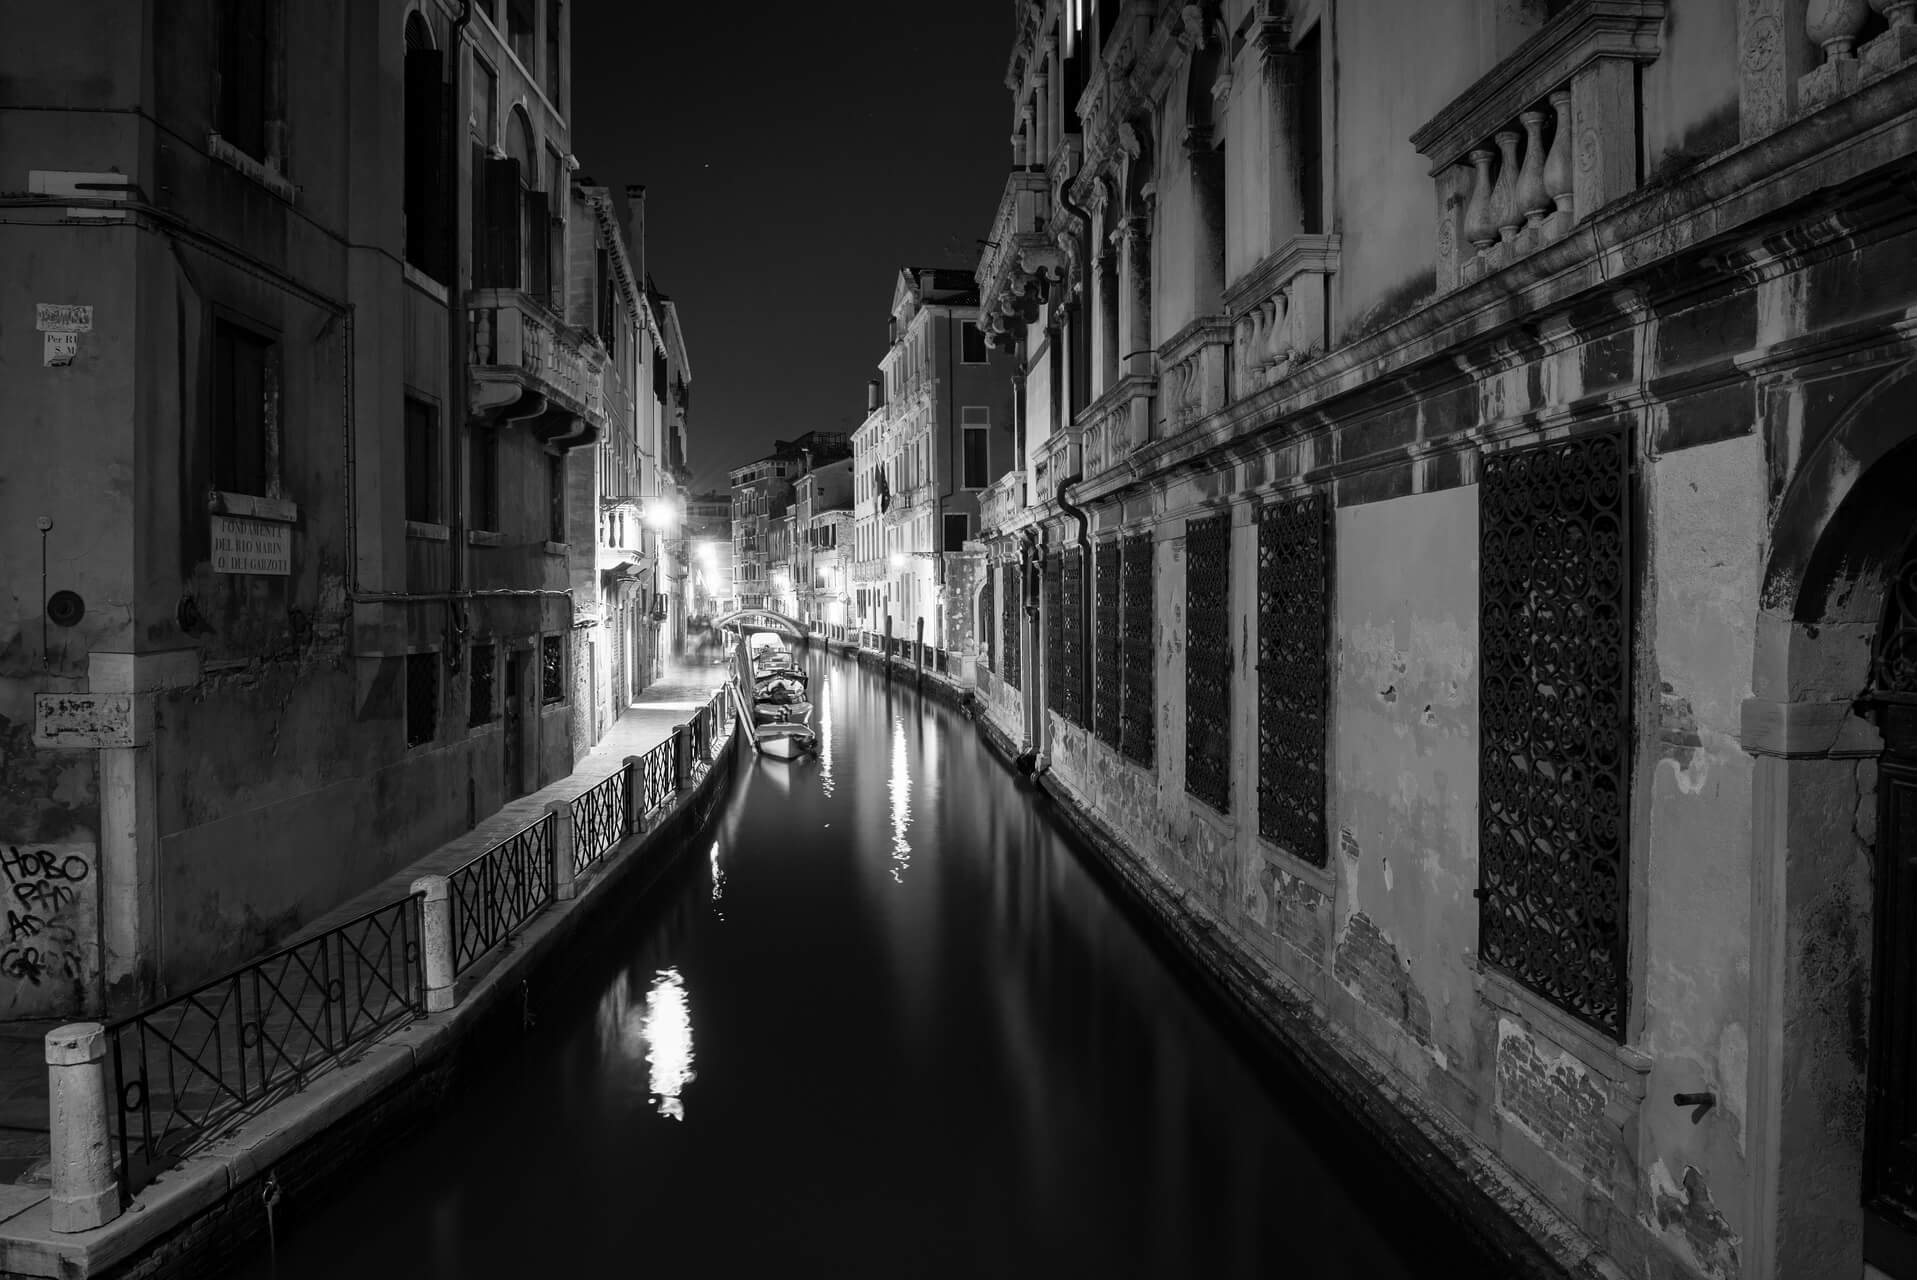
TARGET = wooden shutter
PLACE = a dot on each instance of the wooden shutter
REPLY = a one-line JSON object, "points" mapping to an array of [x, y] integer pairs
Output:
{"points": [[538, 245], [425, 162], [500, 261]]}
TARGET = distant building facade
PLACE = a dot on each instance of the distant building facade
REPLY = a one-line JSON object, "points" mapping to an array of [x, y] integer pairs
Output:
{"points": [[708, 534], [1462, 544], [761, 518], [938, 432], [822, 505]]}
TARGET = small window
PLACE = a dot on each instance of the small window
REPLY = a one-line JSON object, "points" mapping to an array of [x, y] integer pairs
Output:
{"points": [[482, 464], [244, 75], [553, 47], [422, 461], [425, 150], [519, 30], [422, 698], [245, 412], [556, 497], [552, 669], [957, 524], [485, 117], [978, 457], [973, 344], [480, 708]]}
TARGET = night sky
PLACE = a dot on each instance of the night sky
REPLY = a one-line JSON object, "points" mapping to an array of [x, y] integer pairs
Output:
{"points": [[791, 166]]}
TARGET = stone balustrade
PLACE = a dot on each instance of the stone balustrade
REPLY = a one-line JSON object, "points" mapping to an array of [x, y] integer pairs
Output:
{"points": [[1850, 55], [518, 346], [1002, 503], [1549, 136], [1279, 316], [1194, 372], [1117, 423], [1060, 459]]}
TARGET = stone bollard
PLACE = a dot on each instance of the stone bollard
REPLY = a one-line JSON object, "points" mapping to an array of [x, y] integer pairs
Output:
{"points": [[436, 941], [85, 1192], [564, 888], [681, 759]]}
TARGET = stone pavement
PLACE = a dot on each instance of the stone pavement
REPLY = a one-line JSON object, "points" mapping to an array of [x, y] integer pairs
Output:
{"points": [[670, 701]]}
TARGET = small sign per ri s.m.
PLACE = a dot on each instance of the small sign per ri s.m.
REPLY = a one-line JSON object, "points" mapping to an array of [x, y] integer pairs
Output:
{"points": [[60, 325]]}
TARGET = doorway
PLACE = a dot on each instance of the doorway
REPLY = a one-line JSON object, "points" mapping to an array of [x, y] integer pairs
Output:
{"points": [[517, 662]]}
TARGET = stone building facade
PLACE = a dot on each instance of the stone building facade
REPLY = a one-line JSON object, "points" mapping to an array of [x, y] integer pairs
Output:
{"points": [[298, 434], [1462, 545]]}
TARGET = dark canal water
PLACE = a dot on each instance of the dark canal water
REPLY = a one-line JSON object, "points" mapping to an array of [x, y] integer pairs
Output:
{"points": [[888, 1026]]}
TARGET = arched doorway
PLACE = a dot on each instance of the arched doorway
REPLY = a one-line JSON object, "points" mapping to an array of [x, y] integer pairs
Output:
{"points": [[1833, 724]]}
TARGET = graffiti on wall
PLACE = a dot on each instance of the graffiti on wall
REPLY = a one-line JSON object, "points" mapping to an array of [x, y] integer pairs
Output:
{"points": [[50, 914]]}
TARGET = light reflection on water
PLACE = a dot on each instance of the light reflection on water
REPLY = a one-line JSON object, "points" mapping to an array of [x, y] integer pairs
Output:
{"points": [[901, 788], [667, 1030], [718, 880], [824, 703]]}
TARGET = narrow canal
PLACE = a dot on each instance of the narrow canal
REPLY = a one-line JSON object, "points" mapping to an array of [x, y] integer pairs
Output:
{"points": [[888, 1026]]}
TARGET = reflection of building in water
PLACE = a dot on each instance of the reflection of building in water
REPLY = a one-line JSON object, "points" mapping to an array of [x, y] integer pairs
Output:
{"points": [[901, 787], [668, 1034]]}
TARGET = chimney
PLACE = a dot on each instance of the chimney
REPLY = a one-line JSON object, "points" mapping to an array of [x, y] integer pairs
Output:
{"points": [[636, 228], [872, 396]]}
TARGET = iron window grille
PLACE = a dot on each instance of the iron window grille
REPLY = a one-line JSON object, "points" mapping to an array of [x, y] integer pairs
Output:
{"points": [[1010, 645], [552, 669], [480, 696], [1555, 614], [1139, 730], [1294, 638], [422, 698], [1071, 588], [987, 618], [1108, 665], [1053, 589], [1208, 660]]}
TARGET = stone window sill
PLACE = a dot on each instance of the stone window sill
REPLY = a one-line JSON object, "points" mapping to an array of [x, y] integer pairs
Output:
{"points": [[424, 283], [424, 531], [1623, 1065], [558, 548], [484, 538], [266, 174], [253, 507], [1323, 879]]}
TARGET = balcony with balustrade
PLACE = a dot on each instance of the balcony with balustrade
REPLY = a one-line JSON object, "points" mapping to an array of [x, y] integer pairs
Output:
{"points": [[1279, 315], [526, 364], [1001, 506], [1060, 459]]}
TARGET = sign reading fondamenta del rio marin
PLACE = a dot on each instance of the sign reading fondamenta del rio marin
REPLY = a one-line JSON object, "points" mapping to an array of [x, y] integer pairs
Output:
{"points": [[241, 545]]}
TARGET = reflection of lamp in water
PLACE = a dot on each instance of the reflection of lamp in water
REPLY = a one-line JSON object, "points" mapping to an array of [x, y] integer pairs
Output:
{"points": [[825, 739], [901, 787], [668, 1032]]}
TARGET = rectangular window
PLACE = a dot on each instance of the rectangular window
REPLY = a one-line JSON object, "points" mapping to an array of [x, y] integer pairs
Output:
{"points": [[422, 461], [553, 47], [422, 698], [972, 343], [497, 243], [987, 622], [521, 32], [1108, 669], [244, 75], [1555, 592], [1071, 638], [1294, 674], [1311, 133], [977, 464], [1008, 626], [1208, 660], [552, 669], [556, 497], [1052, 606], [1139, 732], [425, 141], [485, 118], [245, 411], [956, 527], [480, 700]]}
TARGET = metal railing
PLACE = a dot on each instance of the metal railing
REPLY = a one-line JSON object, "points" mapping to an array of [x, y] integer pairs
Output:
{"points": [[184, 1068], [492, 896], [657, 785], [599, 820]]}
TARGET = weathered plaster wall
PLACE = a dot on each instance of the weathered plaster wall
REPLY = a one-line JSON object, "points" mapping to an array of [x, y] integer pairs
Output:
{"points": [[1404, 811]]}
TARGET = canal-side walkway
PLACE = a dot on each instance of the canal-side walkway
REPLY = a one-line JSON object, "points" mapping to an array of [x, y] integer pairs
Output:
{"points": [[329, 1096]]}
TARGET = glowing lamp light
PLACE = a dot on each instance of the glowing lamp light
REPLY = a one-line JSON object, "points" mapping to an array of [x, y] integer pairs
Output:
{"points": [[898, 559], [660, 515]]}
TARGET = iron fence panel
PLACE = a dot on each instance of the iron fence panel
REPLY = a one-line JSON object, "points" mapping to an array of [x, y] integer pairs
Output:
{"points": [[655, 772], [598, 821], [494, 895], [187, 1068]]}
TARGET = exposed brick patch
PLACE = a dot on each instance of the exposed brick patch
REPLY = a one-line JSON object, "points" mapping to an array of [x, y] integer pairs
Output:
{"points": [[1284, 905], [1688, 1217], [1556, 1101], [1369, 965]]}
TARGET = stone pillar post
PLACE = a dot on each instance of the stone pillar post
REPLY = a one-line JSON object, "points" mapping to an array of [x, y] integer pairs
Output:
{"points": [[564, 889], [635, 793], [85, 1192], [436, 940], [681, 759], [1134, 296]]}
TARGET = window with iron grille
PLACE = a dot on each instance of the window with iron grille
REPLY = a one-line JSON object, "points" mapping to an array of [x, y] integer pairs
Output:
{"points": [[1011, 652], [987, 618], [422, 698], [552, 669], [1294, 625], [1071, 638], [479, 708], [1108, 666], [1208, 660], [1139, 730], [1554, 758], [1053, 606]]}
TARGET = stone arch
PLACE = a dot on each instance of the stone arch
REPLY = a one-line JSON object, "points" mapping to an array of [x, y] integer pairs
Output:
{"points": [[419, 32], [1842, 524], [522, 144]]}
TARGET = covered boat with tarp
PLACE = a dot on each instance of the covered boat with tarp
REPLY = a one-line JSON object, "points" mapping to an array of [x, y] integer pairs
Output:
{"points": [[771, 685]]}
